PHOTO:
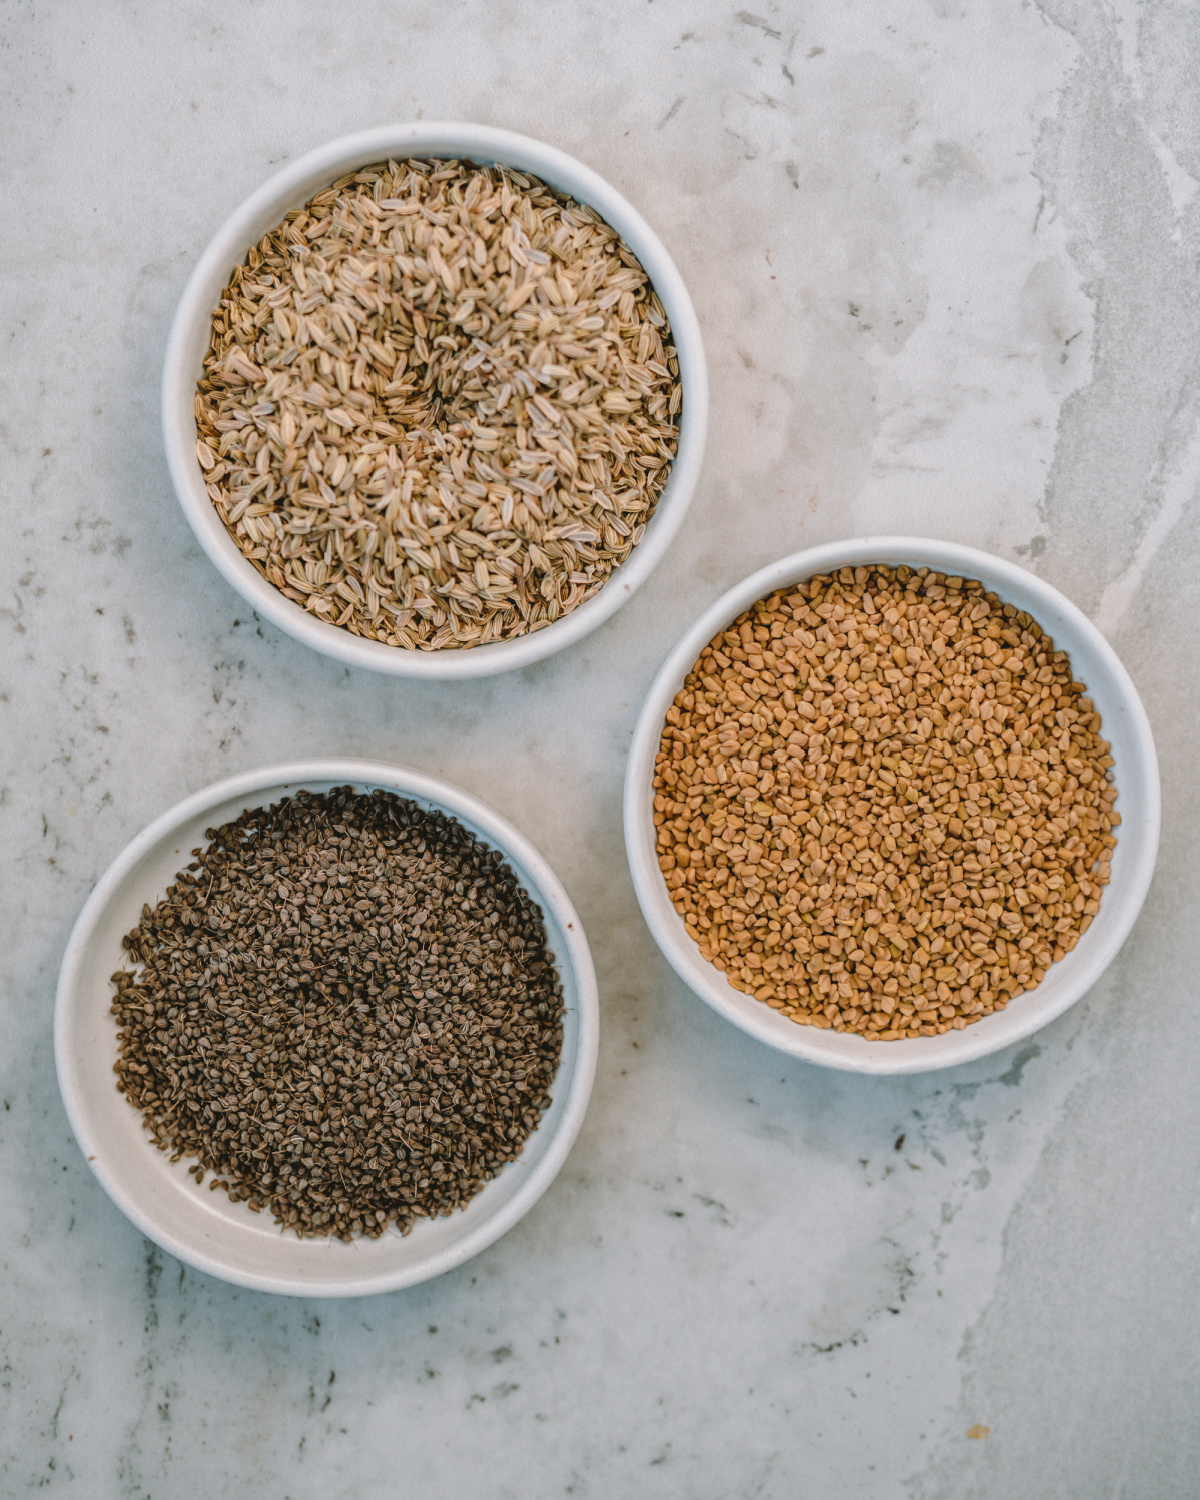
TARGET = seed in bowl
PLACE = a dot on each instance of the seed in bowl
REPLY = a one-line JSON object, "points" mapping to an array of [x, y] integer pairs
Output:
{"points": [[439, 404], [882, 804], [345, 1010]]}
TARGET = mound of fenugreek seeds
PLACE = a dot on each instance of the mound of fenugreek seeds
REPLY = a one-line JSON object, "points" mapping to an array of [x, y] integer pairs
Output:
{"points": [[345, 1010], [882, 804], [439, 405]]}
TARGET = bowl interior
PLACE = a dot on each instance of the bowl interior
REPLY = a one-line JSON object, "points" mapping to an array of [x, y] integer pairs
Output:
{"points": [[290, 189], [206, 1228], [1135, 772]]}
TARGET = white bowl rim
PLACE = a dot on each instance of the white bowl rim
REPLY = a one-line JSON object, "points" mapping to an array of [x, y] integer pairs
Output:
{"points": [[852, 1053], [406, 782], [289, 187]]}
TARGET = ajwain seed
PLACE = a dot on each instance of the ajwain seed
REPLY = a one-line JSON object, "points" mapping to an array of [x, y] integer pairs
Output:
{"points": [[882, 803], [344, 1008]]}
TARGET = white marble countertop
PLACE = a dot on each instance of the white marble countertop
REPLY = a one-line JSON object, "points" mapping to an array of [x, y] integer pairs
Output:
{"points": [[945, 257]]}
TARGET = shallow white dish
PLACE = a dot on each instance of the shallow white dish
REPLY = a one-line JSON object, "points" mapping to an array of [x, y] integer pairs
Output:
{"points": [[1135, 771], [291, 188], [205, 1228]]}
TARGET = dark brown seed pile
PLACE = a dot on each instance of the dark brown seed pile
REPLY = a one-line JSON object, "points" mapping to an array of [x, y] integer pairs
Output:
{"points": [[345, 1009]]}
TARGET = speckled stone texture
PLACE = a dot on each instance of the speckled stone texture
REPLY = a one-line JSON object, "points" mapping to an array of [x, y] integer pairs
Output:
{"points": [[945, 257]]}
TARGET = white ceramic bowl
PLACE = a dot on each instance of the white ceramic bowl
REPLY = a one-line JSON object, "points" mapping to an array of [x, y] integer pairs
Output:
{"points": [[191, 331], [1135, 772], [205, 1228]]}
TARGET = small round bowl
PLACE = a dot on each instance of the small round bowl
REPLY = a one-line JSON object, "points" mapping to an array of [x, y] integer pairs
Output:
{"points": [[192, 329], [1135, 772], [206, 1229]]}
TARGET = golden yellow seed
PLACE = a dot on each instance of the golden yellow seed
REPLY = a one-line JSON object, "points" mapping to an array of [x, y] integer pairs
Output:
{"points": [[948, 811]]}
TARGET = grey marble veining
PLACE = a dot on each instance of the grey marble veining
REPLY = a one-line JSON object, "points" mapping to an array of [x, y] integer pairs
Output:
{"points": [[945, 257]]}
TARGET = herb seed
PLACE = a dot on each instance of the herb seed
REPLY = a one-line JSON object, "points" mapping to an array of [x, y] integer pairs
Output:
{"points": [[345, 1010], [439, 405], [882, 803]]}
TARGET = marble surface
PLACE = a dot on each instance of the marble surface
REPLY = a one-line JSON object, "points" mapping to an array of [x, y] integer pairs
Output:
{"points": [[945, 256]]}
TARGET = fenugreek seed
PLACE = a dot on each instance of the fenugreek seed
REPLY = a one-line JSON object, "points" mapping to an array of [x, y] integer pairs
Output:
{"points": [[345, 1009], [439, 405], [882, 803]]}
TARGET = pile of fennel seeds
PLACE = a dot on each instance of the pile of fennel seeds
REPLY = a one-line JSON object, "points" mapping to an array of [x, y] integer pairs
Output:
{"points": [[439, 405]]}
